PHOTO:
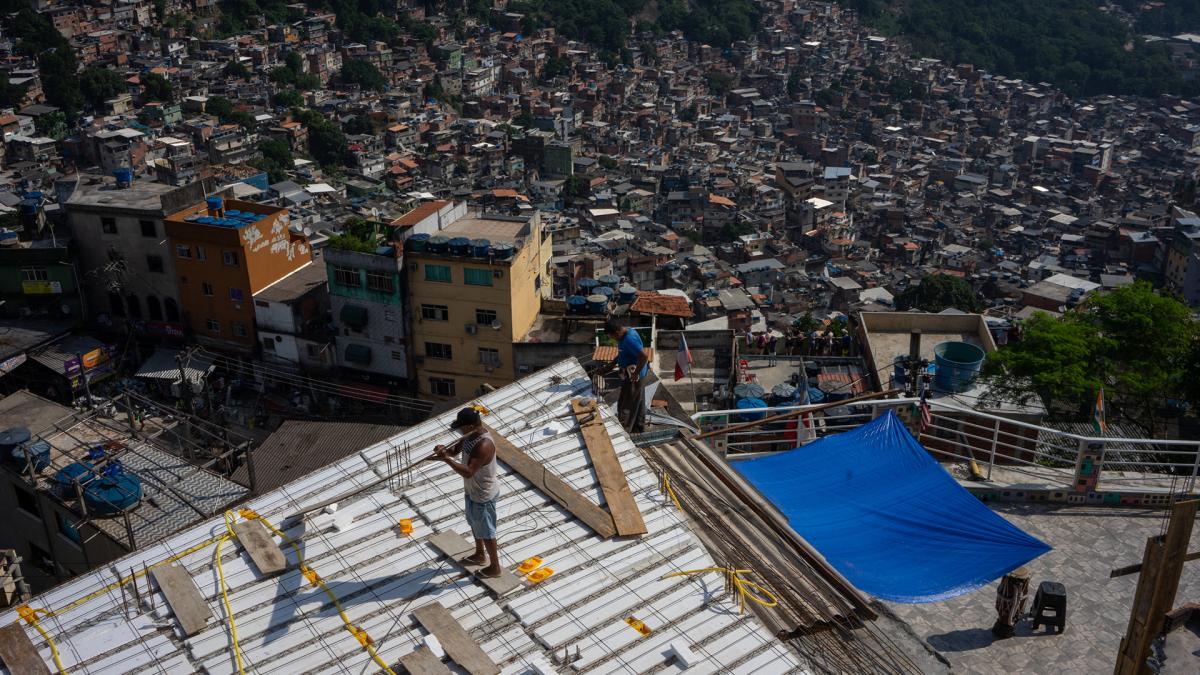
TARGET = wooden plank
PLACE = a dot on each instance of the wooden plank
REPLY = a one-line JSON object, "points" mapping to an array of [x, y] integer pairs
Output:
{"points": [[18, 654], [1134, 569], [183, 597], [455, 640], [423, 662], [257, 540], [457, 548], [627, 518], [554, 487]]}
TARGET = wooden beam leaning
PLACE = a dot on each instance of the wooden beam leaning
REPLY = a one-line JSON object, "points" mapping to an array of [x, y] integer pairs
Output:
{"points": [[254, 537], [556, 488], [455, 640], [18, 654], [626, 516], [183, 597]]}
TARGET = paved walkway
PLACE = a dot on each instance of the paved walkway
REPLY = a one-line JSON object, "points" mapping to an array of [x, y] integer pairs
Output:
{"points": [[1088, 542]]}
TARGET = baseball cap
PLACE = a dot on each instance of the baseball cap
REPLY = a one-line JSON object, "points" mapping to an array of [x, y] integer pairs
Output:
{"points": [[466, 417]]}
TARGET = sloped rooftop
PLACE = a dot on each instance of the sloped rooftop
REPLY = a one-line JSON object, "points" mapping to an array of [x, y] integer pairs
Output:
{"points": [[380, 577]]}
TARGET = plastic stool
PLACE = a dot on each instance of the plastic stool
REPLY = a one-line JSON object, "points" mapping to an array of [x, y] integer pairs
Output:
{"points": [[1050, 605]]}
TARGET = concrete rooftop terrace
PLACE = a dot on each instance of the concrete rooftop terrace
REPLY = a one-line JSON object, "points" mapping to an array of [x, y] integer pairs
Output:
{"points": [[1088, 542]]}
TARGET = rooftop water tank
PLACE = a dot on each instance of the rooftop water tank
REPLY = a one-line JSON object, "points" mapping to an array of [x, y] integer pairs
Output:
{"points": [[37, 452], [215, 205], [124, 177], [503, 251], [606, 292], [480, 248], [586, 285], [113, 491], [748, 390], [597, 304], [626, 294], [417, 242], [438, 243], [577, 304], [459, 246], [610, 280], [751, 404], [233, 213], [12, 437], [815, 396], [64, 480], [783, 394], [900, 373], [958, 365], [9, 238]]}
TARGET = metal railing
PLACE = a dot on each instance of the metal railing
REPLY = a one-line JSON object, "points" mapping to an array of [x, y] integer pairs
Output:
{"points": [[1005, 450]]}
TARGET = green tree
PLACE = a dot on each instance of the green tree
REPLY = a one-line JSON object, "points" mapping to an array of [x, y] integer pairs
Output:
{"points": [[358, 125], [1139, 345], [937, 292], [326, 143], [363, 73], [236, 69], [10, 94], [157, 88], [98, 85], [219, 106], [54, 55], [52, 125], [287, 98], [719, 83]]}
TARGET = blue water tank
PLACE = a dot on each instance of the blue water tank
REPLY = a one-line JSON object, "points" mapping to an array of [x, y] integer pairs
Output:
{"points": [[192, 218], [12, 437], [459, 246], [610, 280], [437, 244], [626, 294], [503, 251], [113, 491], [37, 452], [586, 285], [958, 365], [577, 304], [233, 213], [751, 404], [783, 394], [900, 372], [8, 238], [749, 390], [124, 177], [64, 479], [606, 292], [417, 242], [215, 205], [480, 248], [815, 396], [597, 304]]}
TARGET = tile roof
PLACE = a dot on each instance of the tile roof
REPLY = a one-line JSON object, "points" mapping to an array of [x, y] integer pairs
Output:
{"points": [[285, 625], [650, 302]]}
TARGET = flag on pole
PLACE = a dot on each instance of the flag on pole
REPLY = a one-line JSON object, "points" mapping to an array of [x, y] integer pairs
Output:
{"points": [[1098, 423], [926, 416], [683, 360]]}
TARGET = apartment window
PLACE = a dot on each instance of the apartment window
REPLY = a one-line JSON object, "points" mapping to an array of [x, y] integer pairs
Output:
{"points": [[441, 386], [435, 312], [35, 274], [206, 288], [213, 326], [438, 273], [397, 356], [235, 294], [269, 345], [473, 276], [108, 225], [154, 263], [201, 254], [346, 276], [230, 258], [148, 228], [184, 252], [377, 281], [239, 329], [485, 316], [27, 502], [489, 356], [40, 558], [437, 350]]}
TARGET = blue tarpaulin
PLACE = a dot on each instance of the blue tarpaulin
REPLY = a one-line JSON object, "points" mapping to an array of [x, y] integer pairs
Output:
{"points": [[889, 517]]}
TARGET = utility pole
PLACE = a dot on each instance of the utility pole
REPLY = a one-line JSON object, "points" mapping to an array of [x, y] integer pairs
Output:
{"points": [[914, 362], [185, 392]]}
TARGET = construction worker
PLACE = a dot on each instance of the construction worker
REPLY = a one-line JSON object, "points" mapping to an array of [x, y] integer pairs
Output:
{"points": [[631, 357], [480, 482]]}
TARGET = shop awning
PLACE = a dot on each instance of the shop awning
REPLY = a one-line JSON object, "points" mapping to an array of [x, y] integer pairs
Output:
{"points": [[354, 316], [358, 354], [888, 516]]}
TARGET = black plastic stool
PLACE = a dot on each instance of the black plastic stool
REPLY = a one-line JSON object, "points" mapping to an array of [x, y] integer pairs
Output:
{"points": [[1050, 605]]}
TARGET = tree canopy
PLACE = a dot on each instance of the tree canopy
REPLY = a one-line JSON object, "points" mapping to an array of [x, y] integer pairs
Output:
{"points": [[937, 292], [326, 142], [54, 54], [1137, 344], [363, 73], [97, 85], [158, 88]]}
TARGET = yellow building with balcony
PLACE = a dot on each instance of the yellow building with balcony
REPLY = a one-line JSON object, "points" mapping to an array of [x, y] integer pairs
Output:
{"points": [[476, 287]]}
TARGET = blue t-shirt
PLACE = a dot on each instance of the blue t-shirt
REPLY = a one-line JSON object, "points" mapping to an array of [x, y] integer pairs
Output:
{"points": [[629, 350]]}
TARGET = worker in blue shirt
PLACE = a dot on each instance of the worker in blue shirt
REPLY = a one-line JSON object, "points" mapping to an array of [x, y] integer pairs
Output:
{"points": [[632, 360]]}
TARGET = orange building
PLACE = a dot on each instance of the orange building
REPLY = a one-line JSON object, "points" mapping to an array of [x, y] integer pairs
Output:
{"points": [[225, 252]]}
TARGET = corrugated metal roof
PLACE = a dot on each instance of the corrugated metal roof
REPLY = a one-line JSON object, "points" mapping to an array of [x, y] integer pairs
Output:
{"points": [[299, 448], [162, 366], [284, 625]]}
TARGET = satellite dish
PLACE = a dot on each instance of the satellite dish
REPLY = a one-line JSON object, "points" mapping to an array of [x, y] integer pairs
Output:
{"points": [[496, 325]]}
